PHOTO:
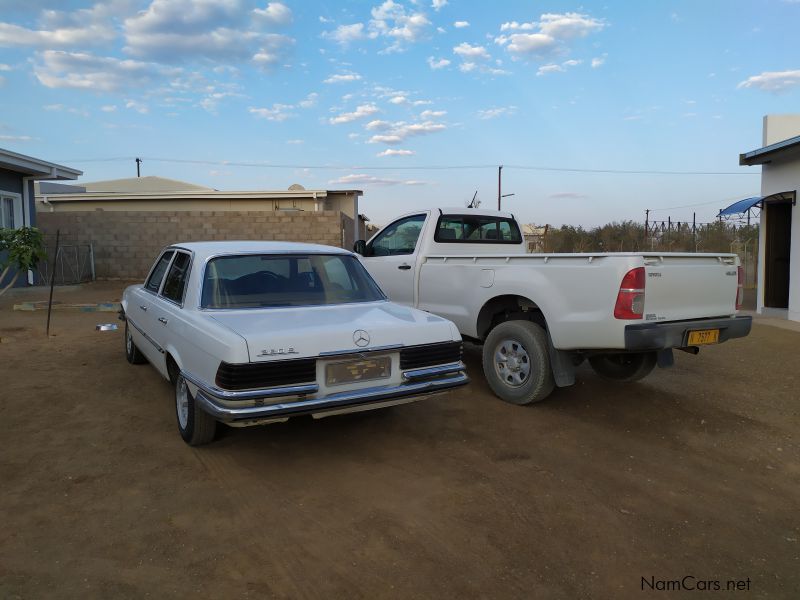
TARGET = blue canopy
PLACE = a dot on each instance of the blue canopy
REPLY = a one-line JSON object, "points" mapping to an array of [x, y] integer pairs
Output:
{"points": [[742, 206]]}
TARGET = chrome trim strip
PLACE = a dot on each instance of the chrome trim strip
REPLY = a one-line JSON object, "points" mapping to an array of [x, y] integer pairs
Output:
{"points": [[332, 402], [271, 392], [147, 337], [427, 372], [357, 351]]}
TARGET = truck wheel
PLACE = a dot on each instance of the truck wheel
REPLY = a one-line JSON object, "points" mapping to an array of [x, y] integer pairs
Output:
{"points": [[197, 427], [516, 362], [131, 351], [623, 367]]}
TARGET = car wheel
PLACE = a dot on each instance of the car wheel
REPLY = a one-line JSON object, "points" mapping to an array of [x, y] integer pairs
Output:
{"points": [[623, 367], [197, 427], [131, 351], [516, 362]]}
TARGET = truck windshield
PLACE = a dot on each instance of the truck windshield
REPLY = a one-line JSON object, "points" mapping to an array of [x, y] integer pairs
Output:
{"points": [[264, 280]]}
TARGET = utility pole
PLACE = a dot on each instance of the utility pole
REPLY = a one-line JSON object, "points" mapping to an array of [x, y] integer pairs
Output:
{"points": [[499, 185], [138, 162], [646, 224]]}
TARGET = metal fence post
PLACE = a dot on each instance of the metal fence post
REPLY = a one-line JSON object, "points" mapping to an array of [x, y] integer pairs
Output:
{"points": [[91, 261]]}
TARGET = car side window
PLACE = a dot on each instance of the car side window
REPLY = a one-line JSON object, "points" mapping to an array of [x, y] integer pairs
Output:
{"points": [[154, 281], [175, 283], [398, 238]]}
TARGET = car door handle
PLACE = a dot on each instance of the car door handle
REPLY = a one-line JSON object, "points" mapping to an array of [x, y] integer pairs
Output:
{"points": [[162, 320], [144, 308], [404, 267]]}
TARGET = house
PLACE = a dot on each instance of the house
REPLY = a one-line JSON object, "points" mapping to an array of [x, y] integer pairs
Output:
{"points": [[778, 288], [17, 175], [535, 237], [127, 221]]}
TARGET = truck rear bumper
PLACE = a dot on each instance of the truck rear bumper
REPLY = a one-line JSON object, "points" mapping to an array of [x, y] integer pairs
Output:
{"points": [[660, 336]]}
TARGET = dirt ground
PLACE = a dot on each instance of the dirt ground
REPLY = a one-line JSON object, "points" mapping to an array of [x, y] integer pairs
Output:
{"points": [[693, 472]]}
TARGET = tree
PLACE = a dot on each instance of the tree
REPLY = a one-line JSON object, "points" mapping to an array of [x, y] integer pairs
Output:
{"points": [[23, 249]]}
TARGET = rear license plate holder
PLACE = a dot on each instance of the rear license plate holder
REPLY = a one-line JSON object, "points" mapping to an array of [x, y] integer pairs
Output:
{"points": [[702, 337], [358, 370]]}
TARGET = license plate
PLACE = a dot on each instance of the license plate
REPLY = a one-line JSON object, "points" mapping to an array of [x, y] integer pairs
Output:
{"points": [[350, 371], [703, 336]]}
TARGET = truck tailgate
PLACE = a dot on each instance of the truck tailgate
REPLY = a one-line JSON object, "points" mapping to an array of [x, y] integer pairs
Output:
{"points": [[690, 286]]}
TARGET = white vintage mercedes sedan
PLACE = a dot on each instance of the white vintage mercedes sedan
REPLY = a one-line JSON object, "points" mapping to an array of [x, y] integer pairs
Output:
{"points": [[257, 332]]}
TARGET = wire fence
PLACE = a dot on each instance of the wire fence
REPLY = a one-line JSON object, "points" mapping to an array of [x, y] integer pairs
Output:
{"points": [[71, 264]]}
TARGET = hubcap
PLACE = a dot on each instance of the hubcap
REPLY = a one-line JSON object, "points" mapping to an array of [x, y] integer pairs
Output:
{"points": [[512, 363], [182, 402]]}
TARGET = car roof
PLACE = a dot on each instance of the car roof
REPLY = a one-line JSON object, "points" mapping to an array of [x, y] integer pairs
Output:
{"points": [[204, 250]]}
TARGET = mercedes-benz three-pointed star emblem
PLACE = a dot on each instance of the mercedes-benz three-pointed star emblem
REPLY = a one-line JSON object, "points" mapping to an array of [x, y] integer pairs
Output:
{"points": [[360, 338]]}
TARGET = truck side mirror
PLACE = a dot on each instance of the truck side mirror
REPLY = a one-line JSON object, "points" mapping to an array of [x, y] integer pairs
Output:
{"points": [[360, 247]]}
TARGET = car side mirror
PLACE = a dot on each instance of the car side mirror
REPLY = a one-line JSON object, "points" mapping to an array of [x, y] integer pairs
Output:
{"points": [[360, 247]]}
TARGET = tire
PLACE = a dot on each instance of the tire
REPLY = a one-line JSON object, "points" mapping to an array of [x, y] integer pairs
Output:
{"points": [[524, 376], [196, 426], [131, 351], [623, 367]]}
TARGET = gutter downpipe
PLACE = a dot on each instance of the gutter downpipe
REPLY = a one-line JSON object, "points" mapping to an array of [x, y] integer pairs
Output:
{"points": [[26, 211]]}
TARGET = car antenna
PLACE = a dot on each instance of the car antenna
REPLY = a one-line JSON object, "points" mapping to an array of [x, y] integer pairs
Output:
{"points": [[474, 203]]}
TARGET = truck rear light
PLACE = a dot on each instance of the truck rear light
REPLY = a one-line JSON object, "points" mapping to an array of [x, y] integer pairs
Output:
{"points": [[739, 287], [630, 299]]}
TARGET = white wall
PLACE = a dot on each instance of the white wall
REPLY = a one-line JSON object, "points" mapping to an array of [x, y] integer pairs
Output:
{"points": [[781, 176]]}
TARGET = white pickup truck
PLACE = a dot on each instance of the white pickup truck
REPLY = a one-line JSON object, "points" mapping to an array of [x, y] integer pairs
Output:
{"points": [[538, 316]]}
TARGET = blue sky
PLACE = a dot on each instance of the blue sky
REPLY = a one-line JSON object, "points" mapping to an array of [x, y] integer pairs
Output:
{"points": [[371, 91]]}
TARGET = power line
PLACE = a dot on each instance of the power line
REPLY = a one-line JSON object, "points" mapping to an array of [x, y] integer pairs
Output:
{"points": [[263, 165]]}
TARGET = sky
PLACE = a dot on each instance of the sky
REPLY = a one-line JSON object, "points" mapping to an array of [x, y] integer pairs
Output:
{"points": [[414, 102]]}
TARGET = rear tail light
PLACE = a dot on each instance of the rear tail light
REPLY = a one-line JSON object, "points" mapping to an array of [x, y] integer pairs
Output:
{"points": [[630, 299], [739, 287]]}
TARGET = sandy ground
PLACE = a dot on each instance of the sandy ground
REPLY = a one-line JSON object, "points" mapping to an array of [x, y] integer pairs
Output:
{"points": [[695, 471]]}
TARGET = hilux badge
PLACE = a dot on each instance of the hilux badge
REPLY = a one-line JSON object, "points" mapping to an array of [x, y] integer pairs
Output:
{"points": [[360, 338]]}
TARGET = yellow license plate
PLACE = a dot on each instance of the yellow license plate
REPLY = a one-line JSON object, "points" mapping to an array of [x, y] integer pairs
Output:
{"points": [[703, 336], [349, 371]]}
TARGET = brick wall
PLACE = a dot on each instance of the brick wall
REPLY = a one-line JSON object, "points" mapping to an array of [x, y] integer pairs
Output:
{"points": [[127, 243]]}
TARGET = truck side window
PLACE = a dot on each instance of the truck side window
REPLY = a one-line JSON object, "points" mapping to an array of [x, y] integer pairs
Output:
{"points": [[398, 238]]}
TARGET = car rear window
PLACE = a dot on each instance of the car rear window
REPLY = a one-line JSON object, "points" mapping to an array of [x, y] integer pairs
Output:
{"points": [[271, 280], [476, 229]]}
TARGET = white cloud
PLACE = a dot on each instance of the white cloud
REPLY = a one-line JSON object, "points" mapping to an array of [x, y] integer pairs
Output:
{"points": [[398, 100], [461, 24], [493, 113], [378, 125], [467, 51], [396, 133], [4, 67], [67, 109], [61, 29], [773, 81], [137, 106], [550, 33], [343, 78], [173, 31], [393, 152], [390, 20], [16, 138], [109, 108], [76, 70], [598, 61], [361, 112], [310, 101], [554, 68], [438, 5], [432, 114], [276, 14], [278, 112], [372, 180], [437, 64], [346, 34]]}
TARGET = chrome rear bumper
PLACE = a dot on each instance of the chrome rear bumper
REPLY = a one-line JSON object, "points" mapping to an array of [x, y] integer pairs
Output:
{"points": [[221, 404]]}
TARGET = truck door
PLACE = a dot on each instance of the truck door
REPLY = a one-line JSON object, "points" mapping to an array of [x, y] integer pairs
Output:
{"points": [[391, 258]]}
